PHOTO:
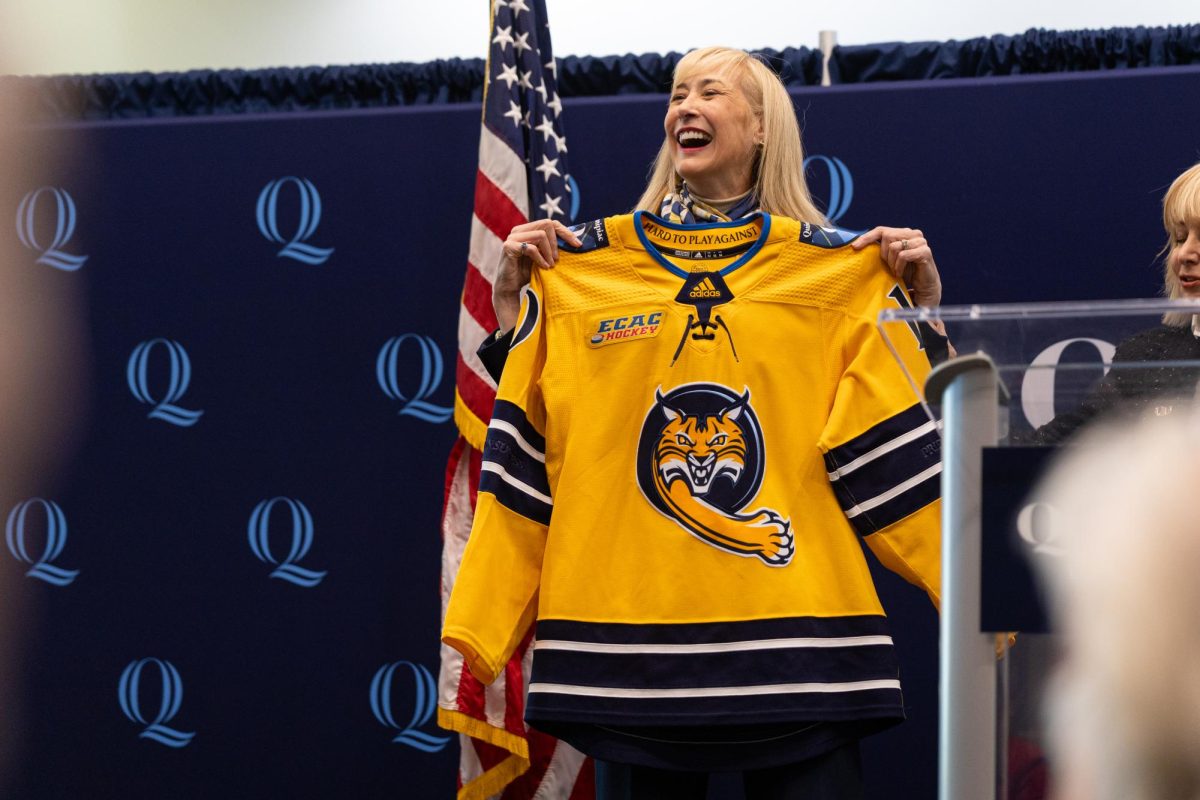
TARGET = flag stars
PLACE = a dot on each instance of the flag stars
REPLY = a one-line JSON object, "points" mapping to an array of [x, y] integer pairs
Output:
{"points": [[517, 7], [546, 128], [514, 113], [508, 74], [521, 43], [549, 166], [499, 4], [552, 65], [526, 80], [552, 207], [504, 37], [556, 104], [541, 89]]}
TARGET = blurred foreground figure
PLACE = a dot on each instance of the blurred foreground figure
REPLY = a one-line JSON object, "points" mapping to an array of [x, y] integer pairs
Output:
{"points": [[40, 392], [1124, 707]]}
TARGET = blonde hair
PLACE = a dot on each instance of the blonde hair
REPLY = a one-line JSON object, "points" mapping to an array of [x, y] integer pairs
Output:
{"points": [[1180, 204], [778, 171]]}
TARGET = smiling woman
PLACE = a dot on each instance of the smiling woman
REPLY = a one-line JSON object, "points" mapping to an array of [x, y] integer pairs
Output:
{"points": [[1181, 218], [689, 618], [1153, 390], [731, 147], [743, 139]]}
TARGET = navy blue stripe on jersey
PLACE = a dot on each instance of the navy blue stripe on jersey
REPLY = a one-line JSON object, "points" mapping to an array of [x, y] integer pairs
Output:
{"points": [[512, 414], [909, 501], [792, 661], [711, 632], [533, 312], [720, 710], [790, 702], [513, 467], [888, 472], [890, 429], [714, 673]]}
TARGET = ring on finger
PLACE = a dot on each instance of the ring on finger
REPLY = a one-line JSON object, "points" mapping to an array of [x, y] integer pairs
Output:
{"points": [[904, 244], [524, 245]]}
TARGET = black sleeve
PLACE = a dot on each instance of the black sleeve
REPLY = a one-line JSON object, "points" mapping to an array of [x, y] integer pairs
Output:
{"points": [[937, 346], [493, 352]]}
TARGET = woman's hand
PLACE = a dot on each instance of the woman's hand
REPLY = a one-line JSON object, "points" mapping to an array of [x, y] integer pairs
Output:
{"points": [[910, 259], [527, 244]]}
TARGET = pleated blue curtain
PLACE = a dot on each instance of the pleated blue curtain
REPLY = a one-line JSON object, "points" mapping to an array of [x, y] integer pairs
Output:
{"points": [[209, 92]]}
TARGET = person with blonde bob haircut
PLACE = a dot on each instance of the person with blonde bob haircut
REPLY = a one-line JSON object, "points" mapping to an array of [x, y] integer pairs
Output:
{"points": [[1133, 392], [1181, 266]]}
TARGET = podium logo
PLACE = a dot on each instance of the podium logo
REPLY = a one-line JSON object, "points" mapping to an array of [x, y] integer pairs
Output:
{"points": [[1039, 527], [56, 540], [424, 702], [841, 185], [302, 538], [64, 228], [294, 246], [136, 373], [415, 404], [170, 697], [1039, 385]]}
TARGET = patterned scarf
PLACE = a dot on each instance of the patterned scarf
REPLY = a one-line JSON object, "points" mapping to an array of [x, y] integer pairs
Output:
{"points": [[682, 208]]}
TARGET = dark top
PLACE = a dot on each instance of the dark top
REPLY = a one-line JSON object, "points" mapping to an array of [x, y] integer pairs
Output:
{"points": [[1134, 391], [493, 352]]}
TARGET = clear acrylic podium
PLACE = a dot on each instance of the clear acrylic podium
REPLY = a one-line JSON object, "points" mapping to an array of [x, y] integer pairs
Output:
{"points": [[1025, 376]]}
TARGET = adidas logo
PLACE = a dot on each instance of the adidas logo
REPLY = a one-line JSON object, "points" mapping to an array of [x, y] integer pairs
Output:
{"points": [[704, 288]]}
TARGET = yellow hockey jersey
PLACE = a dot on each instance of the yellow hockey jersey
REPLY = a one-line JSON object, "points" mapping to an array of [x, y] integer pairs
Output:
{"points": [[696, 429]]}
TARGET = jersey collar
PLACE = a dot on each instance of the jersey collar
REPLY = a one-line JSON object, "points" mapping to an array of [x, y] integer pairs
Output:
{"points": [[737, 223]]}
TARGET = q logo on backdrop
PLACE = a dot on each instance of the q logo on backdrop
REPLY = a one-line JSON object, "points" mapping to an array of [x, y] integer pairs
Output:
{"points": [[258, 531], [56, 540], [295, 246], [64, 227], [424, 704], [415, 404], [841, 185], [1038, 386], [177, 383], [576, 197], [170, 698]]}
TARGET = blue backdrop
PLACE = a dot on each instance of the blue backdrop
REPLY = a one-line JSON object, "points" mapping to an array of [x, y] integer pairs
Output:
{"points": [[233, 589]]}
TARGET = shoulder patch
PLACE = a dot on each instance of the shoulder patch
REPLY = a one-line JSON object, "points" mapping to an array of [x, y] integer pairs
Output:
{"points": [[593, 235], [828, 238]]}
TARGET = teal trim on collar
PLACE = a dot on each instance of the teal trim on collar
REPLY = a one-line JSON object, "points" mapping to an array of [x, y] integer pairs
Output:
{"points": [[737, 223]]}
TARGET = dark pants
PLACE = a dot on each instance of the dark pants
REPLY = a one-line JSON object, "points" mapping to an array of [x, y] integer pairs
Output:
{"points": [[836, 775]]}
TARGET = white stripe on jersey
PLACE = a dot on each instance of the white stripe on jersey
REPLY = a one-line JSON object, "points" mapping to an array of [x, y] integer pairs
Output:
{"points": [[893, 493], [883, 449], [511, 430], [714, 647], [516, 483], [714, 691]]}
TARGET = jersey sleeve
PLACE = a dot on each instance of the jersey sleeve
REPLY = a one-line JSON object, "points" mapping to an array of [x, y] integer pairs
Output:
{"points": [[882, 451], [494, 598]]}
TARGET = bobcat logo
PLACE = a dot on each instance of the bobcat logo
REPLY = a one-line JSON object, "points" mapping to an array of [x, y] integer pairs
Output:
{"points": [[700, 461]]}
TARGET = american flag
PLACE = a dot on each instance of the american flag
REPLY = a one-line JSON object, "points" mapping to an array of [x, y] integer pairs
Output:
{"points": [[521, 176]]}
